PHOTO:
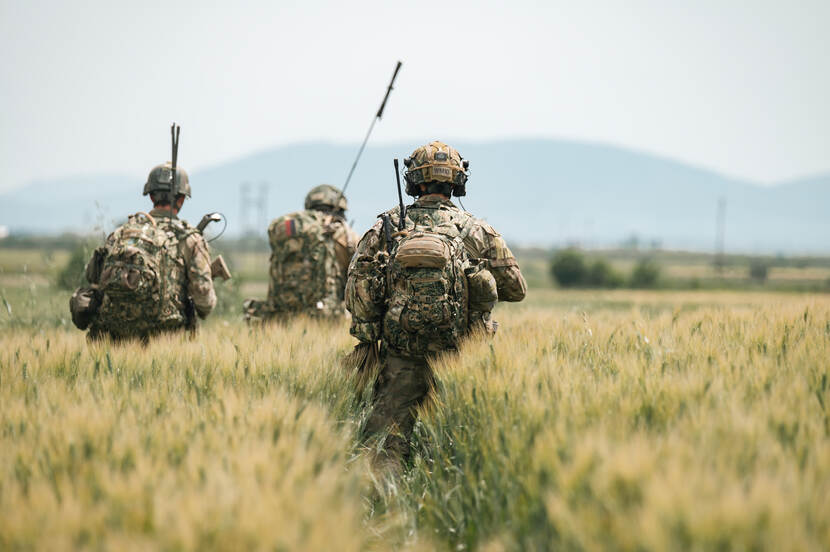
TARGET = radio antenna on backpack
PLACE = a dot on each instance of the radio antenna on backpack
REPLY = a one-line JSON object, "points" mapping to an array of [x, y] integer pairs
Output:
{"points": [[174, 139], [402, 215], [376, 118]]}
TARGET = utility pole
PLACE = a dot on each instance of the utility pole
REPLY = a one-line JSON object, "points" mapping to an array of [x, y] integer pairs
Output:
{"points": [[720, 236], [262, 207]]}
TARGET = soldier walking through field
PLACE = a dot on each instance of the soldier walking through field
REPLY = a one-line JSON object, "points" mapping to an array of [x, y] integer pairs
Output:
{"points": [[310, 253], [421, 286], [153, 274]]}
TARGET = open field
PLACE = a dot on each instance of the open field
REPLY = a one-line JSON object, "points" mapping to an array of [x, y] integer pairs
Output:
{"points": [[689, 270], [628, 420]]}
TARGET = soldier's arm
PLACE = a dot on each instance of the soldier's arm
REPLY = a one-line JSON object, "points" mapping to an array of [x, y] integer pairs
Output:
{"points": [[488, 244], [354, 238], [365, 298], [199, 280], [345, 240]]}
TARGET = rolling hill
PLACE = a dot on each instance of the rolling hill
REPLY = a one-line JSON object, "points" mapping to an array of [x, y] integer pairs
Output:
{"points": [[536, 192]]}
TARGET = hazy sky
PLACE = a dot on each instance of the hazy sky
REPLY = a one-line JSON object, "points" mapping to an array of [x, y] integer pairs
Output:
{"points": [[742, 87]]}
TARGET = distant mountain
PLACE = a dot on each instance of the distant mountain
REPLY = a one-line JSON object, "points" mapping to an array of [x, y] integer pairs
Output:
{"points": [[536, 192]]}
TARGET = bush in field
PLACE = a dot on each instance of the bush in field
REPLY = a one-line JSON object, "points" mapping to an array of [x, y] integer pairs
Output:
{"points": [[602, 275], [758, 270], [72, 275], [645, 274], [569, 268]]}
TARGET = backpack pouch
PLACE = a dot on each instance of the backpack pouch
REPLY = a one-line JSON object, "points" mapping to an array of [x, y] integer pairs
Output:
{"points": [[423, 251], [427, 294]]}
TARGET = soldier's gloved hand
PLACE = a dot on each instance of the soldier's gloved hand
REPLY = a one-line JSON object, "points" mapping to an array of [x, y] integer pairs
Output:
{"points": [[365, 357]]}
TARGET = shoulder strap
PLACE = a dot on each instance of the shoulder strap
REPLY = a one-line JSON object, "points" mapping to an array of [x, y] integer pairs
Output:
{"points": [[329, 223], [467, 228], [182, 229], [145, 215]]}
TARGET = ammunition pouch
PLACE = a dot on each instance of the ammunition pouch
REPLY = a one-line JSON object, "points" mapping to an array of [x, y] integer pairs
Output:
{"points": [[83, 306], [366, 331], [95, 265], [483, 296], [366, 287], [484, 292]]}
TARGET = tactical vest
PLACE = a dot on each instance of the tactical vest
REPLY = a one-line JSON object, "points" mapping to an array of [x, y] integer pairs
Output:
{"points": [[143, 277], [305, 274]]}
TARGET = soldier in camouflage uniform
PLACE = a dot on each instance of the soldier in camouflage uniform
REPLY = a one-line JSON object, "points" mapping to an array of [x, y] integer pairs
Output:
{"points": [[310, 253], [421, 289], [153, 273]]}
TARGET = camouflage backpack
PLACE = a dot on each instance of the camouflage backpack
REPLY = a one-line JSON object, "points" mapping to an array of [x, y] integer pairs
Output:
{"points": [[305, 275], [143, 277], [427, 292]]}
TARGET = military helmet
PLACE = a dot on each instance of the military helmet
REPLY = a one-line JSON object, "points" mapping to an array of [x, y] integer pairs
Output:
{"points": [[433, 163], [327, 197], [161, 178]]}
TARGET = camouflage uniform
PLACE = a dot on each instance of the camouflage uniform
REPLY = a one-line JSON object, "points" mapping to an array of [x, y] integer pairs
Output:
{"points": [[153, 275], [404, 381], [188, 280], [310, 253]]}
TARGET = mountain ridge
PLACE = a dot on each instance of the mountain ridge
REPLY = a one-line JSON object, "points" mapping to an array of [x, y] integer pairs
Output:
{"points": [[536, 192]]}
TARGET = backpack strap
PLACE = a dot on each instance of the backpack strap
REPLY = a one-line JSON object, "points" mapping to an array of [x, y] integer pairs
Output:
{"points": [[147, 216], [328, 222], [181, 229], [183, 232], [467, 229]]}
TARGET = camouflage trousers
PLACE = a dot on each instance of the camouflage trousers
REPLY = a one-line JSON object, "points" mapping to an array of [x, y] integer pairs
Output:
{"points": [[402, 385]]}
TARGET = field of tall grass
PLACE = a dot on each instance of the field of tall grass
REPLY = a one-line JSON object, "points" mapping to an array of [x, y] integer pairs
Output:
{"points": [[610, 420]]}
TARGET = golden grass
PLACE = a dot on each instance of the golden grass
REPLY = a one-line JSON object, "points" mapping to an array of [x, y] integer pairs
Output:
{"points": [[624, 430], [220, 443], [593, 421]]}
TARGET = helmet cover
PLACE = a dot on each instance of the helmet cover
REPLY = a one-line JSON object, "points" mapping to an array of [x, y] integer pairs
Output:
{"points": [[160, 179], [326, 197], [436, 162]]}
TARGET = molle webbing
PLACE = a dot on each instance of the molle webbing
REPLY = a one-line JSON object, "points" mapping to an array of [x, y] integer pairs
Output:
{"points": [[499, 263]]}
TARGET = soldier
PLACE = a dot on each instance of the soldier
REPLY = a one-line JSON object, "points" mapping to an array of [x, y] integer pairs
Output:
{"points": [[153, 273], [310, 253], [420, 289]]}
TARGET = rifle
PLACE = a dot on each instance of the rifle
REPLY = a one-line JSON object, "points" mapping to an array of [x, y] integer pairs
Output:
{"points": [[218, 268], [377, 117], [387, 220], [387, 232]]}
